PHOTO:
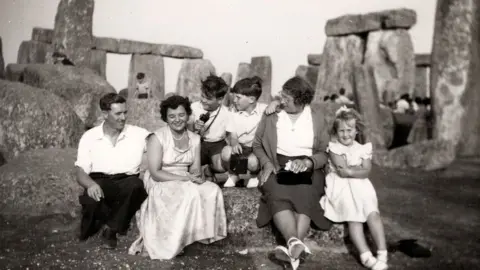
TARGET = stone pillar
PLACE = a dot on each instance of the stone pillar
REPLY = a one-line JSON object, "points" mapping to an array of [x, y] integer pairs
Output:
{"points": [[191, 75], [308, 73], [262, 67], [42, 35], [33, 52], [153, 67], [73, 30], [244, 71], [314, 59], [98, 62], [421, 77], [455, 83], [2, 63], [227, 77]]}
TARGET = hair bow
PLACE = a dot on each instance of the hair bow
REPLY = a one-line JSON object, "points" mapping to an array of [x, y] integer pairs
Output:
{"points": [[342, 109]]}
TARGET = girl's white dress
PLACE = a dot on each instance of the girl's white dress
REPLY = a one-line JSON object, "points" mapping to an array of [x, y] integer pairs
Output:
{"points": [[177, 213], [349, 199]]}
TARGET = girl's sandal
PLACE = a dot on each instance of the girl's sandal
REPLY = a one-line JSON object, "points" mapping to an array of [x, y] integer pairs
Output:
{"points": [[297, 247], [281, 253]]}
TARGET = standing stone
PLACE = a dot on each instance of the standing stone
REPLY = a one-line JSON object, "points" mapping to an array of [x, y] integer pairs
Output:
{"points": [[314, 59], [368, 105], [153, 67], [33, 52], [2, 63], [262, 67], [73, 30], [14, 72], [421, 84], [227, 77], [98, 62], [42, 35], [244, 71], [390, 55], [454, 75], [423, 60], [191, 75], [308, 73], [341, 55]]}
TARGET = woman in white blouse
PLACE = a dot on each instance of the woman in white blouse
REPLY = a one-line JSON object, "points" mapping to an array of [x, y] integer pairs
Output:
{"points": [[290, 146]]}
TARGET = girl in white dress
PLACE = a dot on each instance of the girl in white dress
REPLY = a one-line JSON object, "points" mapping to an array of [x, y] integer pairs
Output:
{"points": [[349, 194], [181, 207]]}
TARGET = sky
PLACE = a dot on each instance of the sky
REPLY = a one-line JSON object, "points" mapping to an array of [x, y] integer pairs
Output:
{"points": [[227, 31]]}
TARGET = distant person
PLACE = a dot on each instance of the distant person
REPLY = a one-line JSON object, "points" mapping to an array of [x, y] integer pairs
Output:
{"points": [[334, 98], [418, 101], [143, 86], [326, 98], [61, 59], [402, 104], [342, 98]]}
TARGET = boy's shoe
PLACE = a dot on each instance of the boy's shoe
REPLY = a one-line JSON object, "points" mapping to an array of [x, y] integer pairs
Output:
{"points": [[253, 182], [109, 238], [231, 181]]}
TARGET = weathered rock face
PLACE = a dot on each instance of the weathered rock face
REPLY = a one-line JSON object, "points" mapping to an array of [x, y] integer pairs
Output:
{"points": [[73, 30], [308, 73], [361, 23], [32, 118], [177, 51], [42, 35], [190, 76], [423, 60], [2, 62], [244, 71], [340, 57], [98, 62], [454, 75], [40, 182], [227, 77], [314, 59], [388, 125], [145, 113], [390, 55], [153, 67], [81, 87], [328, 110], [33, 52], [262, 67], [14, 72], [421, 81]]}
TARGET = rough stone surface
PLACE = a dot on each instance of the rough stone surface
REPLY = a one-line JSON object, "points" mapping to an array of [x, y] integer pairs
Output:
{"points": [[81, 87], [98, 62], [153, 67], [191, 75], [14, 72], [426, 155], [227, 77], [241, 207], [454, 75], [126, 46], [262, 67], [308, 73], [388, 125], [328, 109], [390, 55], [177, 51], [2, 62], [32, 118], [421, 81], [423, 59], [244, 71], [340, 57], [42, 35], [368, 105], [72, 33], [40, 182], [124, 93], [362, 23], [314, 59], [106, 44], [33, 52], [145, 113]]}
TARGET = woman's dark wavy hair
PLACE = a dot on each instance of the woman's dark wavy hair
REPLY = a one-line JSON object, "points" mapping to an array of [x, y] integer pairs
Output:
{"points": [[250, 87], [301, 91], [173, 102], [347, 115]]}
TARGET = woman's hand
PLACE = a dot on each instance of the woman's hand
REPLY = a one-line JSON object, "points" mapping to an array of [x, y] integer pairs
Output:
{"points": [[272, 107], [299, 165], [266, 172], [344, 172]]}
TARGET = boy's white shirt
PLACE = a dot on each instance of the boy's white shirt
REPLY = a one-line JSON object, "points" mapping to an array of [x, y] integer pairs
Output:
{"points": [[245, 124]]}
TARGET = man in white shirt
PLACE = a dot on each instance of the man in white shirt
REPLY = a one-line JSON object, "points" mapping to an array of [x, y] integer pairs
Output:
{"points": [[242, 128], [209, 119], [108, 162], [402, 105], [342, 98]]}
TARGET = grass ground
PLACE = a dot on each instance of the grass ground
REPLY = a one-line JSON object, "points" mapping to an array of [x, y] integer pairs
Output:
{"points": [[440, 209]]}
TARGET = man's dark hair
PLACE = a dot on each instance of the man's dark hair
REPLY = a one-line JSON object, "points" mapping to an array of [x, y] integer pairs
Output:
{"points": [[426, 101], [111, 98], [333, 97], [140, 75], [250, 87], [214, 87], [301, 91], [342, 91], [418, 100], [173, 102]]}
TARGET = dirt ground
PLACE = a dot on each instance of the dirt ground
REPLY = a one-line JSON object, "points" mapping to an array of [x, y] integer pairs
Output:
{"points": [[439, 209]]}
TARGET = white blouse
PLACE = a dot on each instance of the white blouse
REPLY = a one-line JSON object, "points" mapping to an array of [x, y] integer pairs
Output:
{"points": [[295, 139]]}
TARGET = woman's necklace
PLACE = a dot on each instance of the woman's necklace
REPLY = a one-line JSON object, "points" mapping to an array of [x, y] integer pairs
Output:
{"points": [[181, 137]]}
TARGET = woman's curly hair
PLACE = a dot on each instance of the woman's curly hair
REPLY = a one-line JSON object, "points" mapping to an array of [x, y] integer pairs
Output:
{"points": [[173, 102], [300, 90]]}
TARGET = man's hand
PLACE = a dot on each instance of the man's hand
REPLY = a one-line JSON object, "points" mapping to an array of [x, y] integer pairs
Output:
{"points": [[199, 125], [266, 172], [237, 149], [95, 192], [272, 107]]}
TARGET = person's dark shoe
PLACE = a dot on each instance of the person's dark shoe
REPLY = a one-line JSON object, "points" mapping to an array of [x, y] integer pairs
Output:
{"points": [[109, 238]]}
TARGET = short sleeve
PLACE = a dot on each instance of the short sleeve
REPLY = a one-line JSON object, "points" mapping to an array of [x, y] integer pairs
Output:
{"points": [[230, 127], [83, 155], [336, 148], [367, 151], [144, 134]]}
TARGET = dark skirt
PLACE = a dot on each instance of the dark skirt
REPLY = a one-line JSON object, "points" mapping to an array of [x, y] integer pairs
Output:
{"points": [[300, 198]]}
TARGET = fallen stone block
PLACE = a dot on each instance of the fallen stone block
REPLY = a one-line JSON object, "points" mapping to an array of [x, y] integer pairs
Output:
{"points": [[32, 118]]}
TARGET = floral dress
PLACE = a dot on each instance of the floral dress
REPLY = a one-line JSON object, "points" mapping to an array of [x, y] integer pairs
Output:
{"points": [[178, 213], [349, 199]]}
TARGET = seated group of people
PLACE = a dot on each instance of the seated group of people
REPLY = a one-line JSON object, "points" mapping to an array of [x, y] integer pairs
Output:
{"points": [[284, 145]]}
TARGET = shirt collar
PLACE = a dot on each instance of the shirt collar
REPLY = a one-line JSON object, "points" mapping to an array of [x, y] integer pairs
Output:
{"points": [[254, 111], [100, 134]]}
